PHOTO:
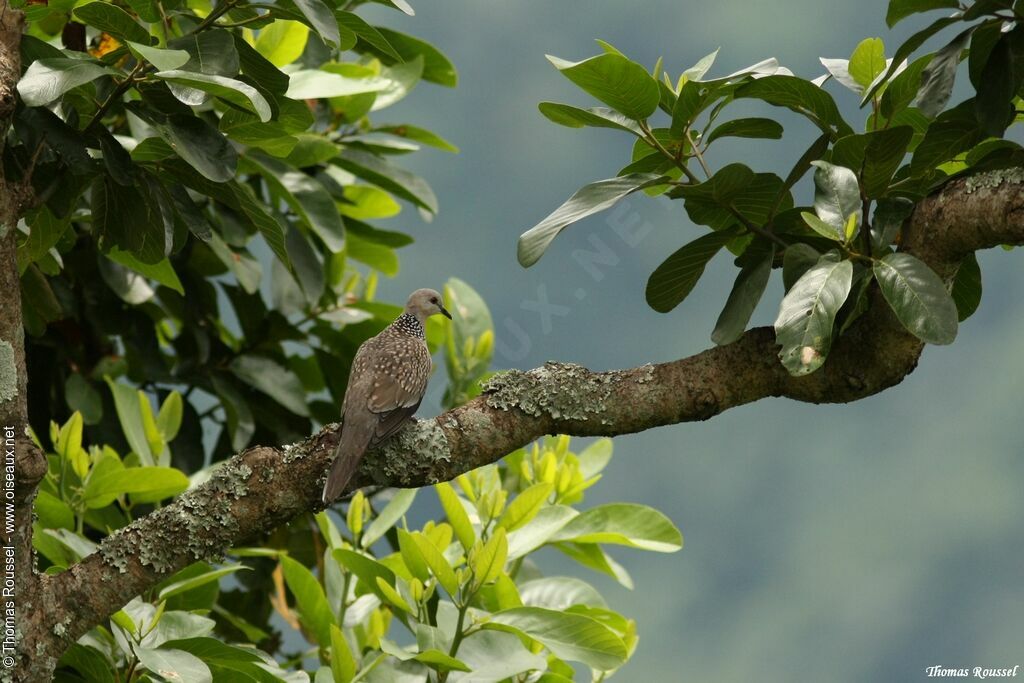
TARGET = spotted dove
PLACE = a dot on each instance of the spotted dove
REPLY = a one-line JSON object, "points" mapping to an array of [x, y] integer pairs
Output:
{"points": [[385, 386]]}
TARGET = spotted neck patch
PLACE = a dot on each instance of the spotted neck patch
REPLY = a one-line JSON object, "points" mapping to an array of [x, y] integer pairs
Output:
{"points": [[408, 324]]}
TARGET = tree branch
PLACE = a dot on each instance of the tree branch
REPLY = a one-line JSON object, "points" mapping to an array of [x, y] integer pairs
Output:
{"points": [[264, 487], [28, 462]]}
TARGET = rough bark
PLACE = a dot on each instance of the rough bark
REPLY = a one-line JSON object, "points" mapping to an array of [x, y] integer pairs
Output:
{"points": [[266, 486], [24, 464]]}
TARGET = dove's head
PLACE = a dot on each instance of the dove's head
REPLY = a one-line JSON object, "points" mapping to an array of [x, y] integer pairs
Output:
{"points": [[424, 303]]}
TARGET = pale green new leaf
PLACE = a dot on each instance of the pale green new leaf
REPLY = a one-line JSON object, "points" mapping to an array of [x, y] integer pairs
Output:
{"points": [[629, 524], [569, 636], [389, 516]]}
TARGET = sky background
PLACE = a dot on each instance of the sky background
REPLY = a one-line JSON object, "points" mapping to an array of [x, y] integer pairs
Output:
{"points": [[843, 543]]}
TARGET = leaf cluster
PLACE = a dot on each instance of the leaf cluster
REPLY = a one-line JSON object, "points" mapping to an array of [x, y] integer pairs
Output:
{"points": [[832, 251]]}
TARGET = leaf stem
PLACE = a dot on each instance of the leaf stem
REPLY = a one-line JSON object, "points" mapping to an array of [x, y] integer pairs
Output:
{"points": [[654, 142], [697, 152], [216, 14], [457, 639], [757, 229], [865, 227], [120, 90]]}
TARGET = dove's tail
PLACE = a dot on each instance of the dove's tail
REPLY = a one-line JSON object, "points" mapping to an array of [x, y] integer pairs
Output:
{"points": [[355, 437]]}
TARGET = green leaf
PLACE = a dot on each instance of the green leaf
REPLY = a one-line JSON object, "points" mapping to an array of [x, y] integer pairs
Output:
{"points": [[89, 662], [257, 67], [904, 51], [622, 84], [439, 661], [367, 569], [629, 524], [306, 197], [456, 515], [169, 419], [174, 665], [243, 266], [45, 230], [560, 593], [47, 79], [539, 531], [867, 61], [436, 67], [378, 257], [132, 218], [937, 78], [126, 401], [82, 397], [525, 506], [692, 100], [272, 379], [412, 556], [967, 287], [953, 132], [419, 135], [228, 89], [311, 150], [201, 145], [264, 222], [800, 96], [822, 228], [308, 84], [432, 657], [675, 278], [569, 636], [282, 42], [240, 423], [161, 271], [193, 582], [874, 156], [836, 193], [595, 457], [901, 9], [229, 662], [163, 60], [439, 566], [210, 52], [489, 561], [734, 188], [143, 484], [918, 297], [156, 442], [743, 299], [903, 87], [391, 596], [111, 19], [999, 82], [389, 516], [367, 34], [343, 664], [888, 219], [387, 176], [595, 117], [746, 128], [804, 325], [310, 599], [321, 18], [586, 201]]}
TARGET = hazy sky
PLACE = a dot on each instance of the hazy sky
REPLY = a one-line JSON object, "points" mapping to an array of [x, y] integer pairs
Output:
{"points": [[841, 543]]}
